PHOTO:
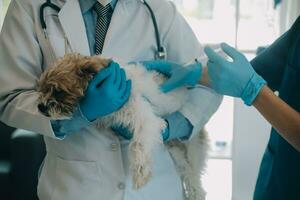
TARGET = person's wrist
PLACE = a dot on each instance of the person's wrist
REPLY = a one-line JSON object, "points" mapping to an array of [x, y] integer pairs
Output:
{"points": [[252, 89], [79, 110], [261, 97], [85, 113], [204, 78]]}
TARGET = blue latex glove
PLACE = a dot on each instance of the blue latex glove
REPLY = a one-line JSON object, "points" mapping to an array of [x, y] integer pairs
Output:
{"points": [[107, 92], [237, 78], [126, 134], [178, 75]]}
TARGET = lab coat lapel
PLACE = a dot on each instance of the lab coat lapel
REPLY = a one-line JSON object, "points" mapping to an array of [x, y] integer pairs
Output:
{"points": [[73, 25], [115, 27]]}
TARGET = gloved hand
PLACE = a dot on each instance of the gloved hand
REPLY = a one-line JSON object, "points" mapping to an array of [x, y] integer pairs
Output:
{"points": [[107, 92], [178, 75], [237, 78], [126, 134]]}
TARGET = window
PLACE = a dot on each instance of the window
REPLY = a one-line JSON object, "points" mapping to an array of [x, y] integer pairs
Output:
{"points": [[1, 13]]}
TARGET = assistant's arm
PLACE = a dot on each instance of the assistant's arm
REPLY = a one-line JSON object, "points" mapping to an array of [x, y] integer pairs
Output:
{"points": [[238, 79], [282, 117]]}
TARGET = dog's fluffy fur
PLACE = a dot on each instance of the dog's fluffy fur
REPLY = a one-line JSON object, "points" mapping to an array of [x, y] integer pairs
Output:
{"points": [[62, 85]]}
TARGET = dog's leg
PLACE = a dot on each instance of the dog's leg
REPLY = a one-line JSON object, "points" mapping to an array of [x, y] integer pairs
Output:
{"points": [[146, 136], [197, 151], [190, 158], [178, 151], [146, 127]]}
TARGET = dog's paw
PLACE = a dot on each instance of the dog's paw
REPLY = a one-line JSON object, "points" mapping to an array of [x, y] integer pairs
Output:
{"points": [[141, 176], [140, 165]]}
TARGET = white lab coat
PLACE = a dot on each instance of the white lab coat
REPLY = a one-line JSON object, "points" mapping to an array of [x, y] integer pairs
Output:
{"points": [[92, 164]]}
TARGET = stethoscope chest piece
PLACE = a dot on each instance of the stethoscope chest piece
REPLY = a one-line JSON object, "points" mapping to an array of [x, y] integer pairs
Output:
{"points": [[161, 54]]}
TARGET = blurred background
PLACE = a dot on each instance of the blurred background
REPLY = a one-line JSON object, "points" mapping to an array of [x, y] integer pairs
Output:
{"points": [[238, 134]]}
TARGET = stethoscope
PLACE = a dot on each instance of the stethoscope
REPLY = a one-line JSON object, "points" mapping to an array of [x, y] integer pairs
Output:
{"points": [[160, 53]]}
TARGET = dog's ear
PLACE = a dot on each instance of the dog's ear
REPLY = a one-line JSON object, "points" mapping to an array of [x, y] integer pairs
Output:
{"points": [[90, 65], [86, 71]]}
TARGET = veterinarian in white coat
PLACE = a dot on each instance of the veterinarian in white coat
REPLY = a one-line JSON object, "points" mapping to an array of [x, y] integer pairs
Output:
{"points": [[92, 164]]}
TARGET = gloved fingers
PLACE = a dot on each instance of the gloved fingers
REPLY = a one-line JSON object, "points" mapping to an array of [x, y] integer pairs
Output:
{"points": [[213, 73], [194, 66], [99, 78], [118, 80], [123, 84], [213, 56], [122, 79], [150, 64], [232, 52], [171, 84], [210, 69], [127, 91], [118, 74], [161, 66], [213, 68], [112, 78]]}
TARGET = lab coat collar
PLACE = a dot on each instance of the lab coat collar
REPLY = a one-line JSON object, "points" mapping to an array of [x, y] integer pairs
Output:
{"points": [[104, 2], [86, 5], [114, 29], [72, 22]]}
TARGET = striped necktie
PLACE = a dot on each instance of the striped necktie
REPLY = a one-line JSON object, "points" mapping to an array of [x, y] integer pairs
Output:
{"points": [[104, 14]]}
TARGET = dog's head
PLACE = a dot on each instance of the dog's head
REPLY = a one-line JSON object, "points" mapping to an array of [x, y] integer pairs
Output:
{"points": [[61, 86]]}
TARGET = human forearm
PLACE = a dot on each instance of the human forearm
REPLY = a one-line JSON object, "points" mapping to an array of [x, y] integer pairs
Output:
{"points": [[282, 117]]}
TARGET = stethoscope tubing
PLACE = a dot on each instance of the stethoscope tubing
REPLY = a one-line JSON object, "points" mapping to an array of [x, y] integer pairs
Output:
{"points": [[157, 36], [48, 3]]}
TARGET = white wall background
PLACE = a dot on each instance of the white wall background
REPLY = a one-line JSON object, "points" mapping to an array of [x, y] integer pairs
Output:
{"points": [[1, 9], [289, 11], [251, 133]]}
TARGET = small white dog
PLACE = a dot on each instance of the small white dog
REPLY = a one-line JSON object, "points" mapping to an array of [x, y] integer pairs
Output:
{"points": [[142, 114]]}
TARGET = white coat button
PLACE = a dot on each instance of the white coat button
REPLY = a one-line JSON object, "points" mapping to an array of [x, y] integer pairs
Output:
{"points": [[114, 147], [121, 186]]}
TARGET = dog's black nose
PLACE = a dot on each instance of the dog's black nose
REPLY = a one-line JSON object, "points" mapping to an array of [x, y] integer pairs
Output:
{"points": [[43, 109]]}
